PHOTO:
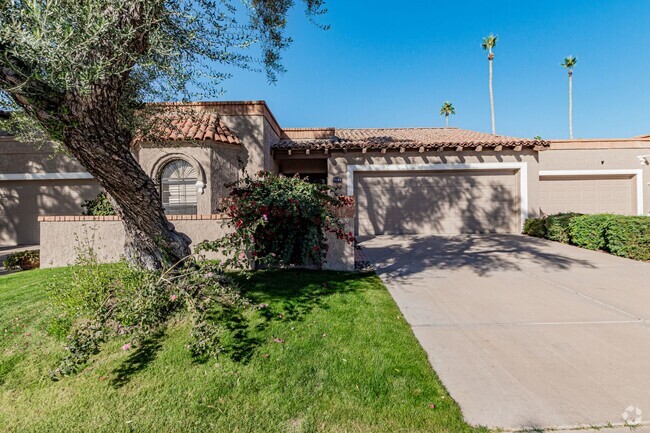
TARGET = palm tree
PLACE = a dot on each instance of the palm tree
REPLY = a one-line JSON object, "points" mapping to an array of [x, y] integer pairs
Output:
{"points": [[488, 44], [447, 109], [570, 63]]}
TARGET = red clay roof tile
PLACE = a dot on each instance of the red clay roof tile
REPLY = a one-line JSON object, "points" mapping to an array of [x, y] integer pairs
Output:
{"points": [[410, 138], [191, 126]]}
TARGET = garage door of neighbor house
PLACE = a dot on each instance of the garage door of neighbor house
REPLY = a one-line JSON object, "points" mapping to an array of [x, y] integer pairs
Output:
{"points": [[449, 202], [596, 194], [23, 201]]}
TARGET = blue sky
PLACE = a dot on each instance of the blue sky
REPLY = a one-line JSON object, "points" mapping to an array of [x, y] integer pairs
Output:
{"points": [[382, 65]]}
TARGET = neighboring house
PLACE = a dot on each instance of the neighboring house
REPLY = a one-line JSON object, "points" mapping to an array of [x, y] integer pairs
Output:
{"points": [[404, 180]]}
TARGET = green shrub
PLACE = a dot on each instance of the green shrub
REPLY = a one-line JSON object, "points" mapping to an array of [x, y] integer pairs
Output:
{"points": [[99, 206], [535, 227], [588, 231], [625, 236], [628, 236], [558, 227], [280, 221], [24, 260]]}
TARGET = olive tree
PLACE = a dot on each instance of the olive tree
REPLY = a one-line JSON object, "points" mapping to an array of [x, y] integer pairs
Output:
{"points": [[82, 71]]}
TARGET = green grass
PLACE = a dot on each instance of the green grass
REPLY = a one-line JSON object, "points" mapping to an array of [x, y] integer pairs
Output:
{"points": [[349, 364]]}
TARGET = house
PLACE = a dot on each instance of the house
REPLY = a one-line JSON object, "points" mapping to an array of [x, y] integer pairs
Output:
{"points": [[404, 180]]}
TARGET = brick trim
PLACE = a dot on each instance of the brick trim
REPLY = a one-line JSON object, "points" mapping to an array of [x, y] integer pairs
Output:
{"points": [[77, 218]]}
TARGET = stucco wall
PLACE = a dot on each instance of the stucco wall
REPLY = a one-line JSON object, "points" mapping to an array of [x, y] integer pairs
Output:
{"points": [[37, 180], [600, 160], [250, 130], [20, 157], [227, 167], [216, 165], [154, 158], [62, 238], [338, 164]]}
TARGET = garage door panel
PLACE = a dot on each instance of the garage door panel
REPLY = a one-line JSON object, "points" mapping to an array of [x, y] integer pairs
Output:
{"points": [[595, 194], [437, 202]]}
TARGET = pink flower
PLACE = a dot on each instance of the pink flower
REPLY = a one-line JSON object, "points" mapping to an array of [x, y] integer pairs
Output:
{"points": [[262, 306], [209, 275], [265, 217], [173, 297], [242, 255], [126, 347], [432, 406], [278, 340], [266, 355]]}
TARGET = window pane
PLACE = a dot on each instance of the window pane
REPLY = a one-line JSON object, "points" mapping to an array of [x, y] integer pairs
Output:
{"points": [[178, 188]]}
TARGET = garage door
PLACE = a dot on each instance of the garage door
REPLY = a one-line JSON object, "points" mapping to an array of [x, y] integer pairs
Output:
{"points": [[437, 202], [23, 201], [602, 194]]}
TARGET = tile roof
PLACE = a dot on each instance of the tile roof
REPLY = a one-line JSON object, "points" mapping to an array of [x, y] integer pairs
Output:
{"points": [[190, 125], [395, 138]]}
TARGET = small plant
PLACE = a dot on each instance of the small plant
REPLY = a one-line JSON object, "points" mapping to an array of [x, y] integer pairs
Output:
{"points": [[99, 206], [24, 260], [280, 221]]}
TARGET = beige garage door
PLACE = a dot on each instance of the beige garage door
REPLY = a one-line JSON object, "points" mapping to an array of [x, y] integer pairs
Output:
{"points": [[602, 194], [437, 202], [22, 202]]}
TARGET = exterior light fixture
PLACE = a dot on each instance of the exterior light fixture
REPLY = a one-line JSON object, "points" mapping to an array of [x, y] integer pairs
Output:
{"points": [[644, 159]]}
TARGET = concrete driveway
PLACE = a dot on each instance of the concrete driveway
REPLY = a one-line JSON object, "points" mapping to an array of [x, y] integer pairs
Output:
{"points": [[525, 332]]}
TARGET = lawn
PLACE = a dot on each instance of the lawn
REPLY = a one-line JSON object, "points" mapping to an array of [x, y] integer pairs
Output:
{"points": [[331, 352]]}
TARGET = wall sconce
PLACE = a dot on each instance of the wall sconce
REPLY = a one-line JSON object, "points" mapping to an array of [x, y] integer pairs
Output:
{"points": [[644, 159]]}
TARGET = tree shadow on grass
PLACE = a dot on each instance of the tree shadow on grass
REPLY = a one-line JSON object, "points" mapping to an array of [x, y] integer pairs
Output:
{"points": [[293, 295], [238, 343], [139, 359]]}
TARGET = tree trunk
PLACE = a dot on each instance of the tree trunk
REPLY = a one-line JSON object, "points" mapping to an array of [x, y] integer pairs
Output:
{"points": [[570, 105], [446, 120], [494, 129], [94, 136]]}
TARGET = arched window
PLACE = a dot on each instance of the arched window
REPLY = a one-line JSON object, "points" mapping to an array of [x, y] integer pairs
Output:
{"points": [[178, 188]]}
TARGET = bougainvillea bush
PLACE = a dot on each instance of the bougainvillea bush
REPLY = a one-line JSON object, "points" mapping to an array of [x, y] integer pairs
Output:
{"points": [[280, 221]]}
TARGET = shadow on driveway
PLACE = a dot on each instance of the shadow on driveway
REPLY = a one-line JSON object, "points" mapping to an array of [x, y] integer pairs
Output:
{"points": [[400, 256]]}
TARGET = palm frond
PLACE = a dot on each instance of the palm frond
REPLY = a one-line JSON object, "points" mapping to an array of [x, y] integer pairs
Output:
{"points": [[569, 62], [447, 109], [489, 42]]}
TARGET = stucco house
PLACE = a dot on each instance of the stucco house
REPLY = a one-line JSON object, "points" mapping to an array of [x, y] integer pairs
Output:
{"points": [[404, 180]]}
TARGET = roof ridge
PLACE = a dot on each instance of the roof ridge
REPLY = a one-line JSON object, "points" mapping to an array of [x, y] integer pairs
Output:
{"points": [[406, 127]]}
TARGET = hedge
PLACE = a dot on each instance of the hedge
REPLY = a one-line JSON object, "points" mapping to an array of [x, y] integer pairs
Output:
{"points": [[557, 227], [588, 231], [625, 236], [629, 237]]}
